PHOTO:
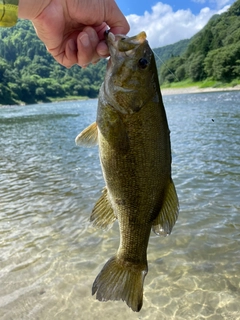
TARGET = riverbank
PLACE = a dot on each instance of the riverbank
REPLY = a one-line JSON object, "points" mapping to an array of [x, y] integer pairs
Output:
{"points": [[165, 92], [195, 89]]}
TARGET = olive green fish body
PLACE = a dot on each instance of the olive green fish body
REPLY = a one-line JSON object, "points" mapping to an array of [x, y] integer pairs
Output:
{"points": [[135, 154]]}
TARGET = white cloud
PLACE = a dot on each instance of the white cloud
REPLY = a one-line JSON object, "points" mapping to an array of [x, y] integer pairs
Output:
{"points": [[214, 3], [220, 3], [224, 9], [164, 26]]}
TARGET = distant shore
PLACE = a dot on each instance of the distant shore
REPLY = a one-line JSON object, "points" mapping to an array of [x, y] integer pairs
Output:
{"points": [[165, 92], [169, 91]]}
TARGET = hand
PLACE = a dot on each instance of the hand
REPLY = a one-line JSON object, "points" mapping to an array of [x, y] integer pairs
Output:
{"points": [[73, 30]]}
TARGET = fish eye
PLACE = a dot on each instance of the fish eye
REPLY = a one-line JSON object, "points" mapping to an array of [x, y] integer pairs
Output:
{"points": [[143, 63]]}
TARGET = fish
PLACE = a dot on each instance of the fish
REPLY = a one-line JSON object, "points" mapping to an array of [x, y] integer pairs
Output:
{"points": [[132, 132]]}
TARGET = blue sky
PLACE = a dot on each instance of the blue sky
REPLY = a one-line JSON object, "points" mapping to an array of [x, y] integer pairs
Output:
{"points": [[169, 21]]}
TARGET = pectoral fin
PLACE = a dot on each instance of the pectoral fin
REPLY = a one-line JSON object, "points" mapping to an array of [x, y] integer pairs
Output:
{"points": [[88, 137], [167, 217], [102, 215]]}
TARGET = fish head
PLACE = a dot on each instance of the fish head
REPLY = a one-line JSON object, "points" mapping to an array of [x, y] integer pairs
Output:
{"points": [[131, 79]]}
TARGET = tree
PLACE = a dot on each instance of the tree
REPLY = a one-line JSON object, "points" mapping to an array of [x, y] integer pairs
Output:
{"points": [[196, 69], [213, 52]]}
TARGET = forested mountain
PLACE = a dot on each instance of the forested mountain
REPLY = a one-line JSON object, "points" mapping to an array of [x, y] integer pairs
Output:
{"points": [[28, 73], [172, 50], [214, 52]]}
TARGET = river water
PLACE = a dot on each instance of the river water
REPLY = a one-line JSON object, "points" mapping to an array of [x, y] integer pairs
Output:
{"points": [[49, 252]]}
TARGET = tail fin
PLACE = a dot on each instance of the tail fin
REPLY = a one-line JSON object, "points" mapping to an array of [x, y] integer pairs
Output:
{"points": [[121, 280]]}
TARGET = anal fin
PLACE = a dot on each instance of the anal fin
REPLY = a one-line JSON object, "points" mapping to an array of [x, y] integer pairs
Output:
{"points": [[89, 136], [168, 214], [102, 215]]}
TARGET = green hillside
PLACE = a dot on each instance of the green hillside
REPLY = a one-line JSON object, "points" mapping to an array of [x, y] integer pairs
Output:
{"points": [[213, 53], [29, 74], [172, 50]]}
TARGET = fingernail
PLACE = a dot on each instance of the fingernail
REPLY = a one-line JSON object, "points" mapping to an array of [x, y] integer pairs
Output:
{"points": [[102, 50], [84, 39], [72, 45]]}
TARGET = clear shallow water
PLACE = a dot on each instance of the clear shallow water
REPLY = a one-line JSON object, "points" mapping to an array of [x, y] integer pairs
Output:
{"points": [[50, 254]]}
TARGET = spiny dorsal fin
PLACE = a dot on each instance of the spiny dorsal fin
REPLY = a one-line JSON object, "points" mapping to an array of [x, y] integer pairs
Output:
{"points": [[102, 215], [88, 137], [167, 217]]}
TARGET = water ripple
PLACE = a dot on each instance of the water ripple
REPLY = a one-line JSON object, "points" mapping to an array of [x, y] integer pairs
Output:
{"points": [[50, 254]]}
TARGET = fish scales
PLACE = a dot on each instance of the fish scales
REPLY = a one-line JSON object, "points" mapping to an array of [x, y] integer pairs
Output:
{"points": [[135, 154]]}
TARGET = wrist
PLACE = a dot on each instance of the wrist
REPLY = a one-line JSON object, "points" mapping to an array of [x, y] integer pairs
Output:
{"points": [[30, 9]]}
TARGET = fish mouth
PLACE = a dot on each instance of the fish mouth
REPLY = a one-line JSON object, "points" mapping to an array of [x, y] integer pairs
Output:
{"points": [[122, 44]]}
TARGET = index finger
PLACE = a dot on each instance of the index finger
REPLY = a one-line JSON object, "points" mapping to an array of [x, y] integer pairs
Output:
{"points": [[115, 19]]}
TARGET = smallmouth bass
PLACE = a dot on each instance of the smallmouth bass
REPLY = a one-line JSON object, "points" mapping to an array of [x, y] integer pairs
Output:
{"points": [[135, 153]]}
